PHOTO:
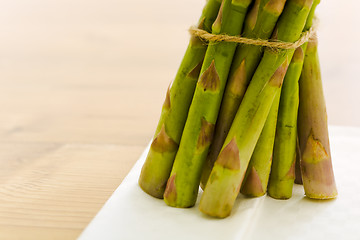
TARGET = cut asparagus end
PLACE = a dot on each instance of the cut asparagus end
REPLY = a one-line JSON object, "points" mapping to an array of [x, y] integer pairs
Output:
{"points": [[223, 183], [282, 188], [155, 172], [318, 176], [317, 172]]}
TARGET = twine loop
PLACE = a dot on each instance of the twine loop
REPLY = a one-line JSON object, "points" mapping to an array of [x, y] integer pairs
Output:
{"points": [[274, 44]]}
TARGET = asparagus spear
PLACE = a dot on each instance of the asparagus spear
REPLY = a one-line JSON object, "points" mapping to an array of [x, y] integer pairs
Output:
{"points": [[317, 172], [159, 161], [298, 174], [283, 166], [257, 174], [218, 199], [183, 184], [259, 23]]}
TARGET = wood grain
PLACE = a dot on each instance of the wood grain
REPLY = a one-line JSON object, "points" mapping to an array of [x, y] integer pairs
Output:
{"points": [[58, 186], [82, 83]]}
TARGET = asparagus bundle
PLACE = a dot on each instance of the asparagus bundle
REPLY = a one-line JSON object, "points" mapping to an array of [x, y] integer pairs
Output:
{"points": [[233, 113], [252, 114], [160, 158]]}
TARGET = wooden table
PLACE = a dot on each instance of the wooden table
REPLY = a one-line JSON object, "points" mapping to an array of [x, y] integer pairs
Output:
{"points": [[82, 83]]}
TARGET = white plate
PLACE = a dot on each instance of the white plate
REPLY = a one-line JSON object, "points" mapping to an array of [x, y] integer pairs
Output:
{"points": [[132, 214]]}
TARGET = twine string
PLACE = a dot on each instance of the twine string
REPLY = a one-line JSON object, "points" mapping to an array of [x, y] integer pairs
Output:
{"points": [[305, 37]]}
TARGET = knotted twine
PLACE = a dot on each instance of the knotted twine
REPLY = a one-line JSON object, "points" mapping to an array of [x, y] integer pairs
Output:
{"points": [[271, 43]]}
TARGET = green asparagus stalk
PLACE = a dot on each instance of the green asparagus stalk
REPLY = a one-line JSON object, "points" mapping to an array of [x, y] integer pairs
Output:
{"points": [[316, 167], [283, 166], [284, 160], [298, 175], [218, 198], [159, 161], [257, 174], [259, 23], [183, 184]]}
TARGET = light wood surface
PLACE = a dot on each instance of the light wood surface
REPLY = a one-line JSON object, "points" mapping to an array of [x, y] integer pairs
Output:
{"points": [[82, 83]]}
